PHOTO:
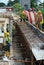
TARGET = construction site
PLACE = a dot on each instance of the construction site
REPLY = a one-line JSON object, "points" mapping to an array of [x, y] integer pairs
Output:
{"points": [[26, 42]]}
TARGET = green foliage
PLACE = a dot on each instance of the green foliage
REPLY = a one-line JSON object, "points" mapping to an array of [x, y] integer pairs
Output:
{"points": [[42, 10], [16, 1], [18, 7], [10, 3], [22, 16], [42, 4], [2, 4], [32, 3]]}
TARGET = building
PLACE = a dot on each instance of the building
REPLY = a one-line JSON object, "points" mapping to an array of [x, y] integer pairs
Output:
{"points": [[5, 9], [25, 4]]}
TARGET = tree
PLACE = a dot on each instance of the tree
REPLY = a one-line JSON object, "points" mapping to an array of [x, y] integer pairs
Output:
{"points": [[43, 3], [34, 3], [16, 1], [18, 7], [10, 3], [2, 4]]}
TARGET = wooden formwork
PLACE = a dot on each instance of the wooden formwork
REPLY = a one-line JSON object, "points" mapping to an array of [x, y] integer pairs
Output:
{"points": [[27, 53]]}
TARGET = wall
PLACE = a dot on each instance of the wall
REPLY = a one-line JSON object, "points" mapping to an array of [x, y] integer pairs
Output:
{"points": [[4, 21], [25, 2]]}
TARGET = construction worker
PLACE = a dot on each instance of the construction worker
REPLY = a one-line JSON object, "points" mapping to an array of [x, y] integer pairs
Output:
{"points": [[23, 16], [7, 41], [40, 19]]}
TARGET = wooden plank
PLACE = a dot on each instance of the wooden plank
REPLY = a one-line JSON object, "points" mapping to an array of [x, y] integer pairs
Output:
{"points": [[33, 40]]}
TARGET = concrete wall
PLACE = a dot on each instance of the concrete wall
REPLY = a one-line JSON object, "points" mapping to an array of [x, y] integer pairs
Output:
{"points": [[4, 21], [25, 2], [2, 10]]}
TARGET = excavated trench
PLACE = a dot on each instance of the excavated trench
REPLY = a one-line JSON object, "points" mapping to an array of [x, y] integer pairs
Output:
{"points": [[20, 47], [21, 51]]}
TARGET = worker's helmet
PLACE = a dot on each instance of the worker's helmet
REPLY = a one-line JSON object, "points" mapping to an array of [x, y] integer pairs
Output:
{"points": [[23, 12], [39, 12]]}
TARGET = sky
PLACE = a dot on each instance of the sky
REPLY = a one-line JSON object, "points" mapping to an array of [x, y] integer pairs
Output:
{"points": [[6, 1], [42, 0]]}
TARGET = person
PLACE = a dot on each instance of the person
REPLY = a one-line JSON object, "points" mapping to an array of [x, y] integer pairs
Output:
{"points": [[40, 19], [7, 46], [6, 42], [23, 16]]}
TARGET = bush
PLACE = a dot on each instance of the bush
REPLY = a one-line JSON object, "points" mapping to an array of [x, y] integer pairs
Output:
{"points": [[42, 10], [23, 16], [18, 7]]}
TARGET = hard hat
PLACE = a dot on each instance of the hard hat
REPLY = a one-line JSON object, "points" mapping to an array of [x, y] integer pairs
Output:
{"points": [[23, 12], [39, 12]]}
